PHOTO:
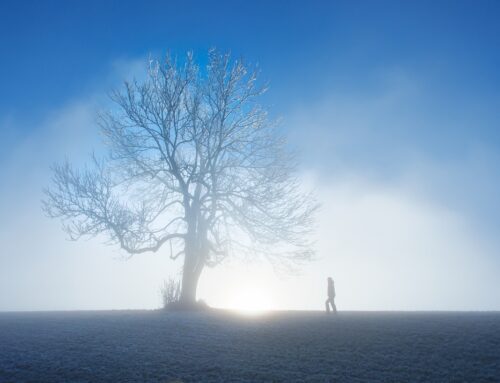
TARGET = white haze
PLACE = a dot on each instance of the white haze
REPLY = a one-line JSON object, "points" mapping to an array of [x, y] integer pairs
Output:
{"points": [[388, 244]]}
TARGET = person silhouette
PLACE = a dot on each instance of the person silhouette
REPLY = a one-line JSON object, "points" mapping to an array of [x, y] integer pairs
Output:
{"points": [[331, 297]]}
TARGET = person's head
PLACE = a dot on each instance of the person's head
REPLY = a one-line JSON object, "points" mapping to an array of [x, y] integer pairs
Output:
{"points": [[330, 280]]}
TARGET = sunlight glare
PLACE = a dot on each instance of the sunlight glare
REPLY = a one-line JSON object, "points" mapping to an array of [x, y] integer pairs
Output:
{"points": [[251, 300]]}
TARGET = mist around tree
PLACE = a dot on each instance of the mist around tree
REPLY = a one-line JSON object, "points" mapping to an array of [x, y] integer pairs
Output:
{"points": [[194, 168]]}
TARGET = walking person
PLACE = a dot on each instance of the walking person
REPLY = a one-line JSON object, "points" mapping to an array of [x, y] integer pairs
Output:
{"points": [[331, 297]]}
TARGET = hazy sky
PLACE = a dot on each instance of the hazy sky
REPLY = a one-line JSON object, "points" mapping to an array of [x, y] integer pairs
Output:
{"points": [[395, 107]]}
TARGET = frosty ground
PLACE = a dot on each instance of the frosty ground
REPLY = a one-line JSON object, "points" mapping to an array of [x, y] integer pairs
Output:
{"points": [[217, 346]]}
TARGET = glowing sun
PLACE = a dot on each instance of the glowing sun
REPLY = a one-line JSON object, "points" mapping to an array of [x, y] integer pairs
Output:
{"points": [[250, 300]]}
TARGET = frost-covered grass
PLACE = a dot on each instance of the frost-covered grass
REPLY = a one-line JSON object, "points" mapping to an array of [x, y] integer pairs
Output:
{"points": [[157, 346]]}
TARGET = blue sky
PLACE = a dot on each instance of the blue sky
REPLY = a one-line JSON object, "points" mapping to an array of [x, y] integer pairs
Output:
{"points": [[57, 51], [395, 106]]}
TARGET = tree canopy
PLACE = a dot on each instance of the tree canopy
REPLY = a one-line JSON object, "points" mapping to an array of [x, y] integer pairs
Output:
{"points": [[193, 161]]}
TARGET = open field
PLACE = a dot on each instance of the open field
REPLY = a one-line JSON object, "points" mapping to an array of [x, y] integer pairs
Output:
{"points": [[155, 346]]}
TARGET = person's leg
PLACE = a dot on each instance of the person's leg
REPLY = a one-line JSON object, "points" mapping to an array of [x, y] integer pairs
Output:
{"points": [[327, 306], [334, 308]]}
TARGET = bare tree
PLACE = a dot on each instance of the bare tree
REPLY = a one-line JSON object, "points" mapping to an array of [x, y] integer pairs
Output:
{"points": [[194, 163]]}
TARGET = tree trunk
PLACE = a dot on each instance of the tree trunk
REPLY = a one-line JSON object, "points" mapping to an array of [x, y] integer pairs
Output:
{"points": [[195, 254], [189, 285], [193, 266]]}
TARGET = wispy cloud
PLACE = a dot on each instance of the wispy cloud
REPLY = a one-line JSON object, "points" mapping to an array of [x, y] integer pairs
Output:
{"points": [[401, 226], [404, 225], [39, 267]]}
